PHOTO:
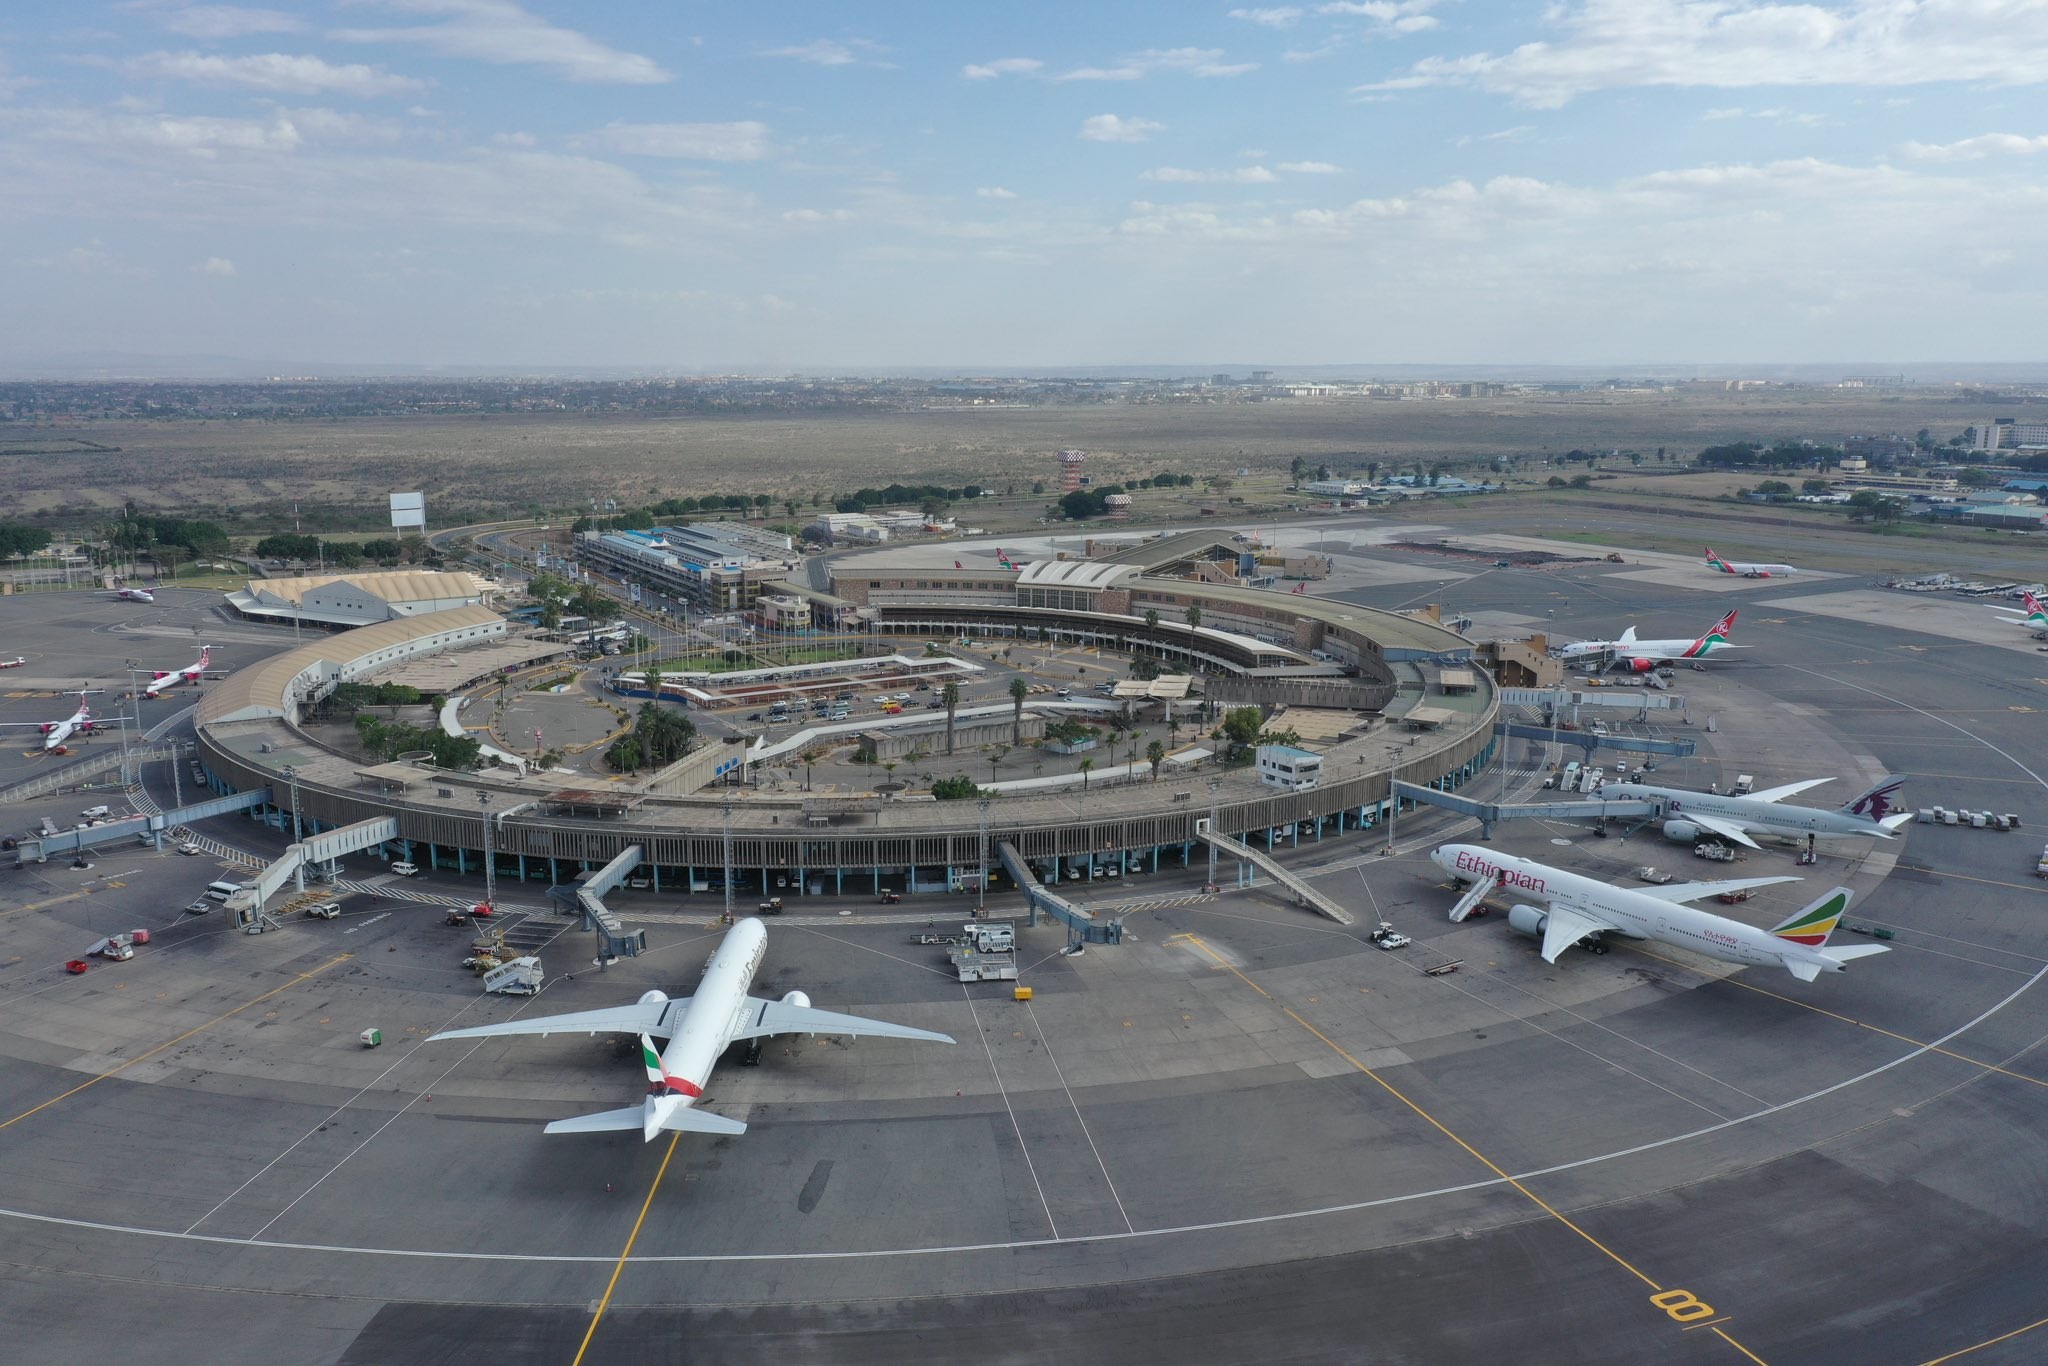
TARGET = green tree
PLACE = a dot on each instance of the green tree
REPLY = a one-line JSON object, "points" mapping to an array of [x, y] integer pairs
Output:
{"points": [[1019, 690], [1155, 754], [950, 695], [1241, 726], [959, 787], [1087, 766]]}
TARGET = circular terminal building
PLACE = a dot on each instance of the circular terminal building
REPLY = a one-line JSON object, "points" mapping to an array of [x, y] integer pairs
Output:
{"points": [[1193, 604]]}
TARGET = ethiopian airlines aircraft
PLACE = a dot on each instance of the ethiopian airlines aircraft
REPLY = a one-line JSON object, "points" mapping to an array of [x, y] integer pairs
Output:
{"points": [[55, 733], [191, 673], [2034, 618], [1748, 571], [698, 1029], [1872, 813], [1641, 656], [1582, 909]]}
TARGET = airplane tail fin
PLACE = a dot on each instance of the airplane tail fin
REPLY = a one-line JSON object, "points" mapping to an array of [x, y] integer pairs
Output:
{"points": [[1877, 801], [650, 1059], [1725, 627], [1716, 562], [1811, 927], [1628, 637]]}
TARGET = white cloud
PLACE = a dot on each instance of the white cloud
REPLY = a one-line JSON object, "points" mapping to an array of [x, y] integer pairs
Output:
{"points": [[996, 192], [816, 216], [275, 71], [1002, 66], [1279, 16], [1515, 134], [217, 265], [827, 52], [1976, 148], [1193, 61], [1309, 168], [1792, 116], [743, 141], [1241, 175], [214, 22], [504, 34], [1731, 44], [1111, 128]]}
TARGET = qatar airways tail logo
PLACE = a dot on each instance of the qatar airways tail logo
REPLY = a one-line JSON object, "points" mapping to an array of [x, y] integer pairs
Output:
{"points": [[1876, 803], [1511, 877]]}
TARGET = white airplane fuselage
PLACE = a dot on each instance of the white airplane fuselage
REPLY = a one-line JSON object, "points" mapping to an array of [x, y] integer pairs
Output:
{"points": [[192, 673], [1635, 914], [1773, 818], [712, 1021]]}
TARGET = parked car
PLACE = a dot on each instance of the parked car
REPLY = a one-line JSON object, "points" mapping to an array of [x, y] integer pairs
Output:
{"points": [[406, 869], [188, 848]]}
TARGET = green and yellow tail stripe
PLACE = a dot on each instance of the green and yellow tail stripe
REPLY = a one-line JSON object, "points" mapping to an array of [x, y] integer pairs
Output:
{"points": [[1812, 927]]}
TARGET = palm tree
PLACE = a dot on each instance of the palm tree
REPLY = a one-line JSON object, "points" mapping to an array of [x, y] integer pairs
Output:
{"points": [[809, 757], [1151, 618], [1194, 616], [1155, 753], [950, 695], [995, 758], [1086, 765], [1019, 690]]}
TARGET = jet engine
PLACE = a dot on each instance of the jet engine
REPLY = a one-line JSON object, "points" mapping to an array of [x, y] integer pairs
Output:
{"points": [[797, 999], [1682, 832], [653, 998], [1529, 920], [1638, 665]]}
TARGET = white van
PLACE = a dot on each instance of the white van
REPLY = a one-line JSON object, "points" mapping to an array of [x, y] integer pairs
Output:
{"points": [[221, 891], [405, 869], [96, 813]]}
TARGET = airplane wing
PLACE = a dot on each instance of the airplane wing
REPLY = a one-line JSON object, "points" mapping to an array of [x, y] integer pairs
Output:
{"points": [[634, 1120], [1721, 826], [763, 1018], [1682, 892], [660, 1018], [1778, 794], [1565, 928]]}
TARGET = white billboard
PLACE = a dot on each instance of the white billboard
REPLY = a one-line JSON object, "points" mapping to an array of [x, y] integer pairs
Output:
{"points": [[408, 510]]}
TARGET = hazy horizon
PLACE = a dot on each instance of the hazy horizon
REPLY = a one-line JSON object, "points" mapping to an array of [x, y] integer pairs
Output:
{"points": [[485, 186]]}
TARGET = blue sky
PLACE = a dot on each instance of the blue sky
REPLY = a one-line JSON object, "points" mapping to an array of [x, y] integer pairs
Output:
{"points": [[694, 185]]}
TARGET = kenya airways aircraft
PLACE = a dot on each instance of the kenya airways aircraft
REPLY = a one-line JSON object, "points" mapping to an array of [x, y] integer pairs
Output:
{"points": [[698, 1029], [55, 733], [1641, 656], [161, 682], [2034, 618], [134, 595], [1748, 571]]}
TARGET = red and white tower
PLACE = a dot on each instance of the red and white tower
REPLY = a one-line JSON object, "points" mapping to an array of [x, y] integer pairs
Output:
{"points": [[1070, 470]]}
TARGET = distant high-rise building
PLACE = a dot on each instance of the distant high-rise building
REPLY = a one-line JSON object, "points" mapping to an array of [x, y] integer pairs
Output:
{"points": [[1070, 470]]}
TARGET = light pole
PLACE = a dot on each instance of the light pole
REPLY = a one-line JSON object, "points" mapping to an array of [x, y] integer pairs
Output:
{"points": [[1214, 785], [981, 886], [291, 774], [725, 818], [483, 799]]}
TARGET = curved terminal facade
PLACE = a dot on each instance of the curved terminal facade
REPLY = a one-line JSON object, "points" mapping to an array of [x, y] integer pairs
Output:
{"points": [[1254, 645]]}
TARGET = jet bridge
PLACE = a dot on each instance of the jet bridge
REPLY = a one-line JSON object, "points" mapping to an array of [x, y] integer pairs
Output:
{"points": [[1249, 858], [1081, 922], [150, 827], [1489, 813], [585, 897], [1586, 740], [248, 905]]}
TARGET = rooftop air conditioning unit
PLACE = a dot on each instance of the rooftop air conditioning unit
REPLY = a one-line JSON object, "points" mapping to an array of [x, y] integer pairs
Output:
{"points": [[445, 791]]}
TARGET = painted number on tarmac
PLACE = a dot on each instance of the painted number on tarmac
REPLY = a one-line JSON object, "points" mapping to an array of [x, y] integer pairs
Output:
{"points": [[1682, 1305]]}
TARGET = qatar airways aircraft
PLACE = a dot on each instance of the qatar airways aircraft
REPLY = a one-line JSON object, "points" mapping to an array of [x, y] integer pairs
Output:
{"points": [[698, 1029]]}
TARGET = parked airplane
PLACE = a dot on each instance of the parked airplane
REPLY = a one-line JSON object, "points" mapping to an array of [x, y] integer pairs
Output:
{"points": [[1690, 815], [15, 663], [55, 733], [134, 595], [1582, 909], [1747, 570], [192, 673], [698, 1029], [1641, 656], [2034, 617]]}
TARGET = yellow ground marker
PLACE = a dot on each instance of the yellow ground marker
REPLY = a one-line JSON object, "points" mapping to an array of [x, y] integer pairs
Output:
{"points": [[631, 1238]]}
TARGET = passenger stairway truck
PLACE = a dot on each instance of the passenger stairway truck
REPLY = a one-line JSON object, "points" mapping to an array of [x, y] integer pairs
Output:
{"points": [[1249, 857]]}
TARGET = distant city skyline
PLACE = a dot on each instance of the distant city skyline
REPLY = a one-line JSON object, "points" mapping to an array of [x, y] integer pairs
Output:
{"points": [[472, 184]]}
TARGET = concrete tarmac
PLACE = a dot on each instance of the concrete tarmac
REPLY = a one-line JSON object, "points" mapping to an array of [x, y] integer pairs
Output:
{"points": [[1245, 1135]]}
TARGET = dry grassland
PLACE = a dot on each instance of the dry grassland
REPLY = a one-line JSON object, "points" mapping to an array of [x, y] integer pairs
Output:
{"points": [[471, 467]]}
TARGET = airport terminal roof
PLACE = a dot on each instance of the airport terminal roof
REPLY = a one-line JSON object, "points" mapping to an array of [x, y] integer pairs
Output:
{"points": [[396, 585], [452, 669], [1084, 574], [1391, 630], [259, 689], [1167, 687]]}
